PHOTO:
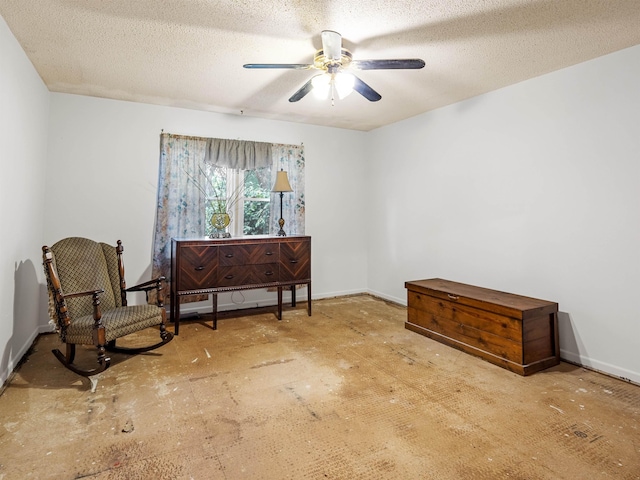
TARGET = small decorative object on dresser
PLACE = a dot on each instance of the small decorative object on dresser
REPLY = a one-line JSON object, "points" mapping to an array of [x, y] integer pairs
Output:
{"points": [[220, 222], [514, 332]]}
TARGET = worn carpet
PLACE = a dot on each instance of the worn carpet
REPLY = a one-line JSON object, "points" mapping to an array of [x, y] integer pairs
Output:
{"points": [[347, 393]]}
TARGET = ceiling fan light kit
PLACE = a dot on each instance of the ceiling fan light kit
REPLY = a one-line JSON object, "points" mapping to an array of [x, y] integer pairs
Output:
{"points": [[331, 83], [333, 60], [321, 85], [344, 83]]}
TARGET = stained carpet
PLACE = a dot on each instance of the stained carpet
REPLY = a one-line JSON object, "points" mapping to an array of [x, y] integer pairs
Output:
{"points": [[347, 393]]}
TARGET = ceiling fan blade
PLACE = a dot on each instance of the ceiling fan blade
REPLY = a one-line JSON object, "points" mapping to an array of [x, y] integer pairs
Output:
{"points": [[295, 66], [332, 45], [396, 64], [365, 90], [306, 88]]}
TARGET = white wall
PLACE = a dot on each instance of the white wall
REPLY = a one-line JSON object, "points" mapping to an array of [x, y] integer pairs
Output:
{"points": [[530, 189], [24, 110], [103, 174], [533, 189]]}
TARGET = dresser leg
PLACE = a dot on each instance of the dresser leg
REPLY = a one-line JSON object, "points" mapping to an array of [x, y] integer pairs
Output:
{"points": [[172, 306], [214, 303], [176, 315], [279, 303], [293, 295], [309, 298]]}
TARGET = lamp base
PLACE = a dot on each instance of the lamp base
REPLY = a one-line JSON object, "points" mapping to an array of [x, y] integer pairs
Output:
{"points": [[281, 232]]}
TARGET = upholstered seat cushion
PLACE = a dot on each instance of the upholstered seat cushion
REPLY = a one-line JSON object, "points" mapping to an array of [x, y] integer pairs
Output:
{"points": [[117, 322]]}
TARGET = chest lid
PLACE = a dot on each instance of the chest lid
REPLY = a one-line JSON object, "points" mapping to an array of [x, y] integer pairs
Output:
{"points": [[509, 304]]}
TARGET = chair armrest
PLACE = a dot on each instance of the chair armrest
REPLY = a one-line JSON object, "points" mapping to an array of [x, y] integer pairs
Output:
{"points": [[97, 315], [83, 294], [146, 286]]}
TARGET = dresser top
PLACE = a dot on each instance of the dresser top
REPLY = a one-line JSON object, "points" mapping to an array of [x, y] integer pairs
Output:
{"points": [[243, 239]]}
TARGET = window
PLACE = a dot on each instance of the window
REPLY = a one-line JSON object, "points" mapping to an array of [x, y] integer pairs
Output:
{"points": [[243, 194], [184, 208]]}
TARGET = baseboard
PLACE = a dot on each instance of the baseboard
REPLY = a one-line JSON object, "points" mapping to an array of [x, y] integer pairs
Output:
{"points": [[600, 367], [205, 306], [389, 298], [18, 355], [342, 293]]}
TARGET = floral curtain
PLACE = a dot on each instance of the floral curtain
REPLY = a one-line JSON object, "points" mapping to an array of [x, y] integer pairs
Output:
{"points": [[289, 158], [181, 205]]}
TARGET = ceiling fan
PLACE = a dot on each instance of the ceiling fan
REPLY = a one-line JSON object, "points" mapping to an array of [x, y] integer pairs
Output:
{"points": [[334, 62]]}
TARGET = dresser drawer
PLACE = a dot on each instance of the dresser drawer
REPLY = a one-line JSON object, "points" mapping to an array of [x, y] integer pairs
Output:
{"points": [[237, 275], [198, 267], [295, 261], [253, 254]]}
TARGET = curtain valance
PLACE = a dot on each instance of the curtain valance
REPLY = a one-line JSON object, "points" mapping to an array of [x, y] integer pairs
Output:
{"points": [[238, 154]]}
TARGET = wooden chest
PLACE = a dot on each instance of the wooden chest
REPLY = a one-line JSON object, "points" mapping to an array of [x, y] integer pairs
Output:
{"points": [[515, 332]]}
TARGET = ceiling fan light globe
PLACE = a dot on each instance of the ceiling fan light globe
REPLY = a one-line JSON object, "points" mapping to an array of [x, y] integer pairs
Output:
{"points": [[321, 85], [344, 84]]}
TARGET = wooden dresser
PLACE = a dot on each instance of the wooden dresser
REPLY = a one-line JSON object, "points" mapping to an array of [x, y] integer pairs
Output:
{"points": [[203, 266], [517, 333]]}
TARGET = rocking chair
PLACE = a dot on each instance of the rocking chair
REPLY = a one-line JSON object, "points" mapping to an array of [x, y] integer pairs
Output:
{"points": [[88, 301]]}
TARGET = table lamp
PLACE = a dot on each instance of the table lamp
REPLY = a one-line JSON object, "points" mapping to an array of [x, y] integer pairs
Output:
{"points": [[281, 186]]}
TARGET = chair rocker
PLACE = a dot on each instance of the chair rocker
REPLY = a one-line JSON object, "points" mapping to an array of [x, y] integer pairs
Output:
{"points": [[88, 301]]}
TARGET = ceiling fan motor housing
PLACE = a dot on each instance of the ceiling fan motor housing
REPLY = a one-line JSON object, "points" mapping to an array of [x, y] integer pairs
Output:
{"points": [[322, 62]]}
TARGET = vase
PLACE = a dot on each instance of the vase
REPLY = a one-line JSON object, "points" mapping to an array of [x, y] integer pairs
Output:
{"points": [[220, 222]]}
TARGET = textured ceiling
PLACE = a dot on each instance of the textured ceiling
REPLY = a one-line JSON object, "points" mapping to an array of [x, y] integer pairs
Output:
{"points": [[189, 53]]}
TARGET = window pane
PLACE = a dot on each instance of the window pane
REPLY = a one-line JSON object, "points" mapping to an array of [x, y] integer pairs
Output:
{"points": [[257, 193], [256, 183], [256, 217], [215, 180]]}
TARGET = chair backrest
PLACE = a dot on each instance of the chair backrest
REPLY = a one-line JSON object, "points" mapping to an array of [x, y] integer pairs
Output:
{"points": [[83, 265]]}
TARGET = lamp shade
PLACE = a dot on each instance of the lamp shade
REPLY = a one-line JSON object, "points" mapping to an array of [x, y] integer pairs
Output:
{"points": [[282, 183]]}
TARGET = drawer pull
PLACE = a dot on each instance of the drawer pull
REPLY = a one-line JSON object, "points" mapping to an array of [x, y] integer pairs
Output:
{"points": [[229, 255], [268, 273], [268, 254], [197, 269], [452, 297], [228, 277], [293, 260]]}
